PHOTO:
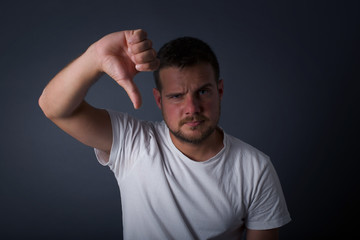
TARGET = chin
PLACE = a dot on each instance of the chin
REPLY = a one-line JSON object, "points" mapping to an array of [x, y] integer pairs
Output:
{"points": [[193, 138]]}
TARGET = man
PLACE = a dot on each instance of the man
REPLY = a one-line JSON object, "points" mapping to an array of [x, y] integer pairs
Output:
{"points": [[183, 178]]}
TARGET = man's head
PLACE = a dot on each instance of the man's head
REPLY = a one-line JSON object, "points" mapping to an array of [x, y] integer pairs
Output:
{"points": [[185, 52], [188, 89]]}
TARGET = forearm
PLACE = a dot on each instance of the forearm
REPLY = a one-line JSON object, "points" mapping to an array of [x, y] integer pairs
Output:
{"points": [[62, 96]]}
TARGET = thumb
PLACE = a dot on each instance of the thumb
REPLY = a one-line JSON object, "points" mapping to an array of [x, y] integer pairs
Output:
{"points": [[124, 77], [133, 92]]}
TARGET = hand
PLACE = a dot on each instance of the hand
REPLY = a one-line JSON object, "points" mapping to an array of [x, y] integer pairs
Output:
{"points": [[122, 55]]}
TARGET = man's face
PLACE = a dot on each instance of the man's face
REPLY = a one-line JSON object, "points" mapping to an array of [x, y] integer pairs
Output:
{"points": [[190, 101]]}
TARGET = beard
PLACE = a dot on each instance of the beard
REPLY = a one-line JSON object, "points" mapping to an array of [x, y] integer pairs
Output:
{"points": [[204, 134]]}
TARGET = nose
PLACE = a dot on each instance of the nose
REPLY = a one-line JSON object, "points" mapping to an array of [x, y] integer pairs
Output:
{"points": [[192, 105]]}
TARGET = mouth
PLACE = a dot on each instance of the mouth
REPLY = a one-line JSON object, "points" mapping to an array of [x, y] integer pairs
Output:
{"points": [[194, 123]]}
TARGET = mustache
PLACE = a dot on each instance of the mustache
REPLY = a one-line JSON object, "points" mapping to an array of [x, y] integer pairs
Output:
{"points": [[196, 118]]}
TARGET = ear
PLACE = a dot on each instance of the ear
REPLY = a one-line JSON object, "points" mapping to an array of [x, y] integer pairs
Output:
{"points": [[157, 96], [221, 88]]}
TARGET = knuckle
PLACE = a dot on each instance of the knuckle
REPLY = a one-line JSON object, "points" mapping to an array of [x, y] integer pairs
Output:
{"points": [[141, 33]]}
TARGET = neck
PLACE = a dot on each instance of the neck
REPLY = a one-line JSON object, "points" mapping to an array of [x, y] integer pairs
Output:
{"points": [[203, 151]]}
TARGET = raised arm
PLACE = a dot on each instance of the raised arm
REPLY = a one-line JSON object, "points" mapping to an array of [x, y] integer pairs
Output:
{"points": [[121, 55]]}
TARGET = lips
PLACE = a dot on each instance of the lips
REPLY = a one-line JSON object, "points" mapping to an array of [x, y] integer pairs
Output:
{"points": [[194, 123]]}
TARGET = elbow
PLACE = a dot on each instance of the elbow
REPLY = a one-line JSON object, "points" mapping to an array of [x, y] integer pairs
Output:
{"points": [[54, 109], [43, 106]]}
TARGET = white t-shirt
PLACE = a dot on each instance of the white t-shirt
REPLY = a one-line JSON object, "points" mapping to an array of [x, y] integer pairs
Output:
{"points": [[166, 195]]}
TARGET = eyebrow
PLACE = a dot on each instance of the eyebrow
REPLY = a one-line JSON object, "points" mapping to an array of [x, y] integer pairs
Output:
{"points": [[180, 93], [205, 86]]}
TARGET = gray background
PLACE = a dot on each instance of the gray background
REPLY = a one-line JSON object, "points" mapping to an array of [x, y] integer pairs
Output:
{"points": [[291, 72]]}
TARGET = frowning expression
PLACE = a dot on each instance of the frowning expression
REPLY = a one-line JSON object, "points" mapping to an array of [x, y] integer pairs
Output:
{"points": [[190, 101]]}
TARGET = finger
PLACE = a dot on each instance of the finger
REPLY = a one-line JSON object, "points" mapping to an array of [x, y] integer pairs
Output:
{"points": [[150, 66], [133, 93], [140, 47], [144, 57], [135, 36]]}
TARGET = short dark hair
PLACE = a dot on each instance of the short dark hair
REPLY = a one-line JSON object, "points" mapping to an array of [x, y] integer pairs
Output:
{"points": [[185, 52]]}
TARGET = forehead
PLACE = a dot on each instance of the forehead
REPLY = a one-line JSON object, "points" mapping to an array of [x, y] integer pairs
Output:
{"points": [[189, 77]]}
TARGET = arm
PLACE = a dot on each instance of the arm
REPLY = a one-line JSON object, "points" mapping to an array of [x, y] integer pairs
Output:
{"points": [[271, 234], [121, 55]]}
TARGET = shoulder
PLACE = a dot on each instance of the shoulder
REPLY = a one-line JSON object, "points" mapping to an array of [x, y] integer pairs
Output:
{"points": [[248, 163], [246, 152], [128, 121], [133, 127]]}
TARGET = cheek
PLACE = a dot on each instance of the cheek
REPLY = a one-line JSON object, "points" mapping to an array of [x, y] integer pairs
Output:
{"points": [[170, 112], [213, 108], [210, 105]]}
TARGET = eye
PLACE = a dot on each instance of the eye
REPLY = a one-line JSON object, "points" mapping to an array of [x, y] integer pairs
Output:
{"points": [[203, 91], [175, 96]]}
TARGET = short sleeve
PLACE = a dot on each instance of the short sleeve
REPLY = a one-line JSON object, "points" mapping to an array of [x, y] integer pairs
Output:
{"points": [[267, 208], [129, 135]]}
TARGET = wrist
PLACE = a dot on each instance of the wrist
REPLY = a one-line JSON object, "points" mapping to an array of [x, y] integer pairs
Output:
{"points": [[86, 68], [92, 59]]}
